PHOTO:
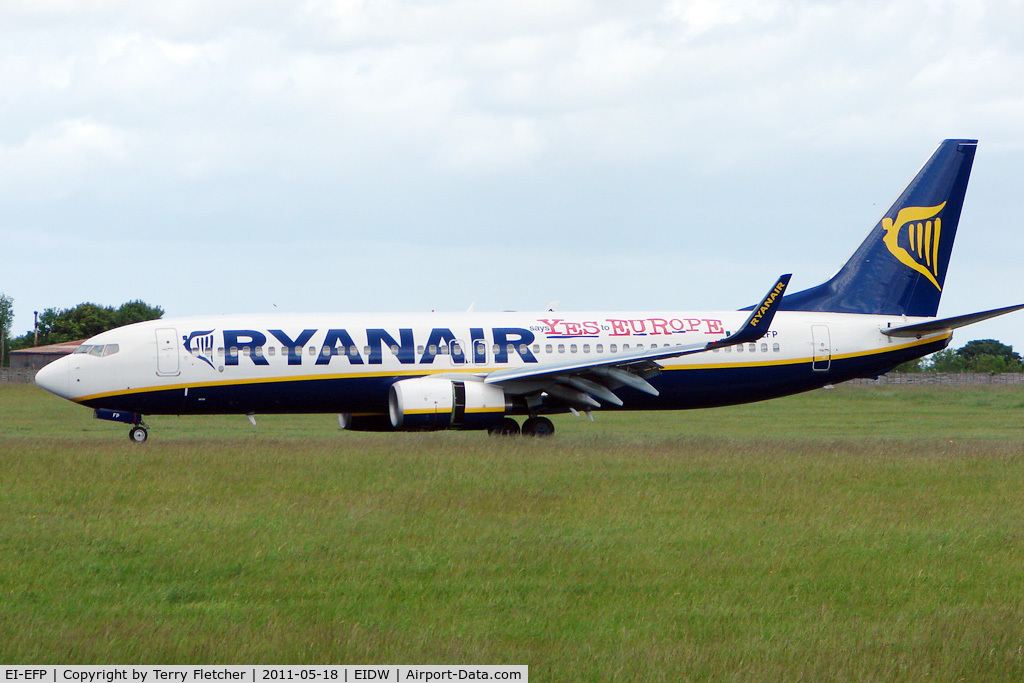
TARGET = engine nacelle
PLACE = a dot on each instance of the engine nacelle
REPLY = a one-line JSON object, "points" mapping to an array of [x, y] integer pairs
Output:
{"points": [[435, 403]]}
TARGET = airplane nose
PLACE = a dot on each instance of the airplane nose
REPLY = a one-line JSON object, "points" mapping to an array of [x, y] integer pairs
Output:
{"points": [[56, 377]]}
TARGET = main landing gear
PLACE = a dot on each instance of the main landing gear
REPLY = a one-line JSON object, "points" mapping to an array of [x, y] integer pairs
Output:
{"points": [[538, 426], [138, 434], [534, 426]]}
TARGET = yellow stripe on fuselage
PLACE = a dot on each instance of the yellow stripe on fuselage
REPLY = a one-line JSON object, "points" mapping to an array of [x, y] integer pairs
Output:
{"points": [[479, 371], [797, 361]]}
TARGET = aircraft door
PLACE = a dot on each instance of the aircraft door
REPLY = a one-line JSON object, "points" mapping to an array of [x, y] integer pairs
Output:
{"points": [[822, 351], [167, 362], [472, 353], [458, 353], [479, 352]]}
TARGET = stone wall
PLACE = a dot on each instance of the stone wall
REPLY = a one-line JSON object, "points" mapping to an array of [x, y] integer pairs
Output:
{"points": [[944, 379], [9, 375]]}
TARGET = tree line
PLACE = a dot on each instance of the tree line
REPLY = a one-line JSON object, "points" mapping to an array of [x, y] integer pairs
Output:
{"points": [[981, 355], [60, 325]]}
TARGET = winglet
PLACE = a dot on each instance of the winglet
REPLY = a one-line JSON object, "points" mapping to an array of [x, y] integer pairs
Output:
{"points": [[760, 318]]}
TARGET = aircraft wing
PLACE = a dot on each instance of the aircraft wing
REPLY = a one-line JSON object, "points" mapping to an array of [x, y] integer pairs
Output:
{"points": [[947, 324], [582, 382]]}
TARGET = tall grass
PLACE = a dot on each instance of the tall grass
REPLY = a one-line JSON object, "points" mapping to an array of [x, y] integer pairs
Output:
{"points": [[858, 534]]}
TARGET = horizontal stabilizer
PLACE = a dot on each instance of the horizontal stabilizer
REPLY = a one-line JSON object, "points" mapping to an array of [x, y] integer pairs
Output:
{"points": [[947, 324]]}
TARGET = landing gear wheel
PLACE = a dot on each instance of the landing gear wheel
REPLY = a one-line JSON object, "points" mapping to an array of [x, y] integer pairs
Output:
{"points": [[538, 426], [138, 434], [508, 427]]}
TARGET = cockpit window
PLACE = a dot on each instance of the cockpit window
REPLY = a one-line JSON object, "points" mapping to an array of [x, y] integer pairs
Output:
{"points": [[99, 350]]}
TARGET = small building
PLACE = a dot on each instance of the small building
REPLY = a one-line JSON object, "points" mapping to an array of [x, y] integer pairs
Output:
{"points": [[38, 356]]}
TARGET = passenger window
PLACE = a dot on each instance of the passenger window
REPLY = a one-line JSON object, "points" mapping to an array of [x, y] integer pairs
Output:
{"points": [[325, 351], [654, 346], [524, 349], [433, 349], [728, 349], [753, 347], [220, 351], [496, 349], [739, 348], [271, 350], [613, 348], [442, 350], [366, 350], [586, 348], [599, 348], [419, 350], [561, 348], [481, 349], [454, 348], [548, 348], [394, 349], [775, 347], [572, 348], [246, 351], [625, 347], [764, 348]]}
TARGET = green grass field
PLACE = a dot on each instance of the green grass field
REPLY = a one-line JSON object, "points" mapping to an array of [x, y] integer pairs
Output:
{"points": [[864, 533]]}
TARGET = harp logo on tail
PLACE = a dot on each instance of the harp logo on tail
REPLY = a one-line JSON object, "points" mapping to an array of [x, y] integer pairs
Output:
{"points": [[919, 250]]}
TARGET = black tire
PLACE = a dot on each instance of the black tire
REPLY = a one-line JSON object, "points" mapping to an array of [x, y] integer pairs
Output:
{"points": [[538, 426], [138, 434], [508, 427]]}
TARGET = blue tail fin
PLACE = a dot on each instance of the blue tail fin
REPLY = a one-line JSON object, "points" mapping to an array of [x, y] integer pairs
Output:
{"points": [[901, 266]]}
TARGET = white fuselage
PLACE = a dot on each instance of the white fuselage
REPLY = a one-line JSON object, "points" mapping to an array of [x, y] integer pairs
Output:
{"points": [[234, 364]]}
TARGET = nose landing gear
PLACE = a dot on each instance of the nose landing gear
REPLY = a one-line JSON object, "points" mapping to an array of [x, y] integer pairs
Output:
{"points": [[137, 434]]}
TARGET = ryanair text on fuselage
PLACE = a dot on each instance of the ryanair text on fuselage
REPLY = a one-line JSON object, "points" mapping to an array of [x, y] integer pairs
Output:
{"points": [[497, 344]]}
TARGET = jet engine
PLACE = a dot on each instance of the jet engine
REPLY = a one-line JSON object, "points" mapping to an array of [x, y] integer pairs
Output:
{"points": [[435, 403]]}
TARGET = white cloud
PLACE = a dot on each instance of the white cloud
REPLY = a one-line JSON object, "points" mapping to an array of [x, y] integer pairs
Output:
{"points": [[64, 152], [698, 125]]}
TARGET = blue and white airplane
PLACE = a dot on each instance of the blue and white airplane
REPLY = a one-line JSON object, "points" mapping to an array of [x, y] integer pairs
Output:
{"points": [[423, 371]]}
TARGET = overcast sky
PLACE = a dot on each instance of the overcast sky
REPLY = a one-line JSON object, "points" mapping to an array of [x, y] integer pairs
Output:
{"points": [[221, 156]]}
